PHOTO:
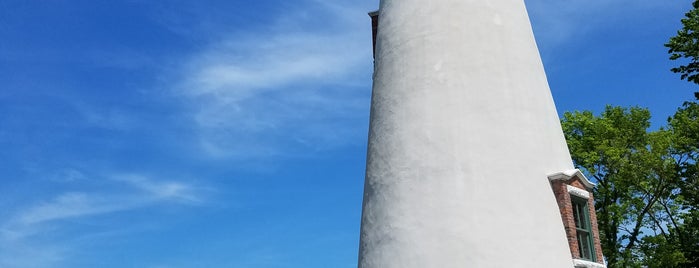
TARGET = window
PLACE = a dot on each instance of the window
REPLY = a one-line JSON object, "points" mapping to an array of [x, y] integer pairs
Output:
{"points": [[583, 229]]}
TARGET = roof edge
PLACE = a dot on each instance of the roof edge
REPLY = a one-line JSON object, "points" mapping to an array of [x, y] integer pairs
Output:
{"points": [[570, 174]]}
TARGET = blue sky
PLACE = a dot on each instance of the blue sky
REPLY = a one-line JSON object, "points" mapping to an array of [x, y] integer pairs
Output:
{"points": [[233, 133]]}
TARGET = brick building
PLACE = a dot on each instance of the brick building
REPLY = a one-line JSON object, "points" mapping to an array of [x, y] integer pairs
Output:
{"points": [[573, 193]]}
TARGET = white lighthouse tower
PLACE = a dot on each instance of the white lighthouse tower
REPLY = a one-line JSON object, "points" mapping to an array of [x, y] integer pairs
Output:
{"points": [[463, 136]]}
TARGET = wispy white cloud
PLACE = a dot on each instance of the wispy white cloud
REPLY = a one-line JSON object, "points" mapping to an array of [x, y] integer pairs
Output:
{"points": [[264, 93], [24, 235], [144, 192], [158, 191], [237, 68], [69, 205]]}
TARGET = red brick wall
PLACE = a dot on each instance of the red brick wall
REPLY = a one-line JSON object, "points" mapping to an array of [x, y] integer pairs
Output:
{"points": [[566, 208], [595, 230]]}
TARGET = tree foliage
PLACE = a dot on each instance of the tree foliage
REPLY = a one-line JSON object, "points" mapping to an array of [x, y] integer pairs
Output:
{"points": [[646, 195], [685, 45]]}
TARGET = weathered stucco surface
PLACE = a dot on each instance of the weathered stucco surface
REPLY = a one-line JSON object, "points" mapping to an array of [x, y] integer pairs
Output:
{"points": [[463, 134]]}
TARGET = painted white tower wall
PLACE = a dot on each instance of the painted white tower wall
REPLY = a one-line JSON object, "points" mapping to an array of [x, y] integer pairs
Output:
{"points": [[463, 134]]}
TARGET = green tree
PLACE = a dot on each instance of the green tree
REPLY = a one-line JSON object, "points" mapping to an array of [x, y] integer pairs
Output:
{"points": [[685, 45], [684, 126], [646, 190]]}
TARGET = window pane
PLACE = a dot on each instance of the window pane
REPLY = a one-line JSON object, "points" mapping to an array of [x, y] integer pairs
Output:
{"points": [[580, 213], [576, 214], [582, 227], [584, 245]]}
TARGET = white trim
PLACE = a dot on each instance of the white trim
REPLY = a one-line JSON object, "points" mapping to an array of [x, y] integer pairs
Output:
{"points": [[578, 192], [577, 263], [570, 174]]}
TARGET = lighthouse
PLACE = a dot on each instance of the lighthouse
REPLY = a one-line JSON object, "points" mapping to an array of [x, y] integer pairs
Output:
{"points": [[464, 141]]}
